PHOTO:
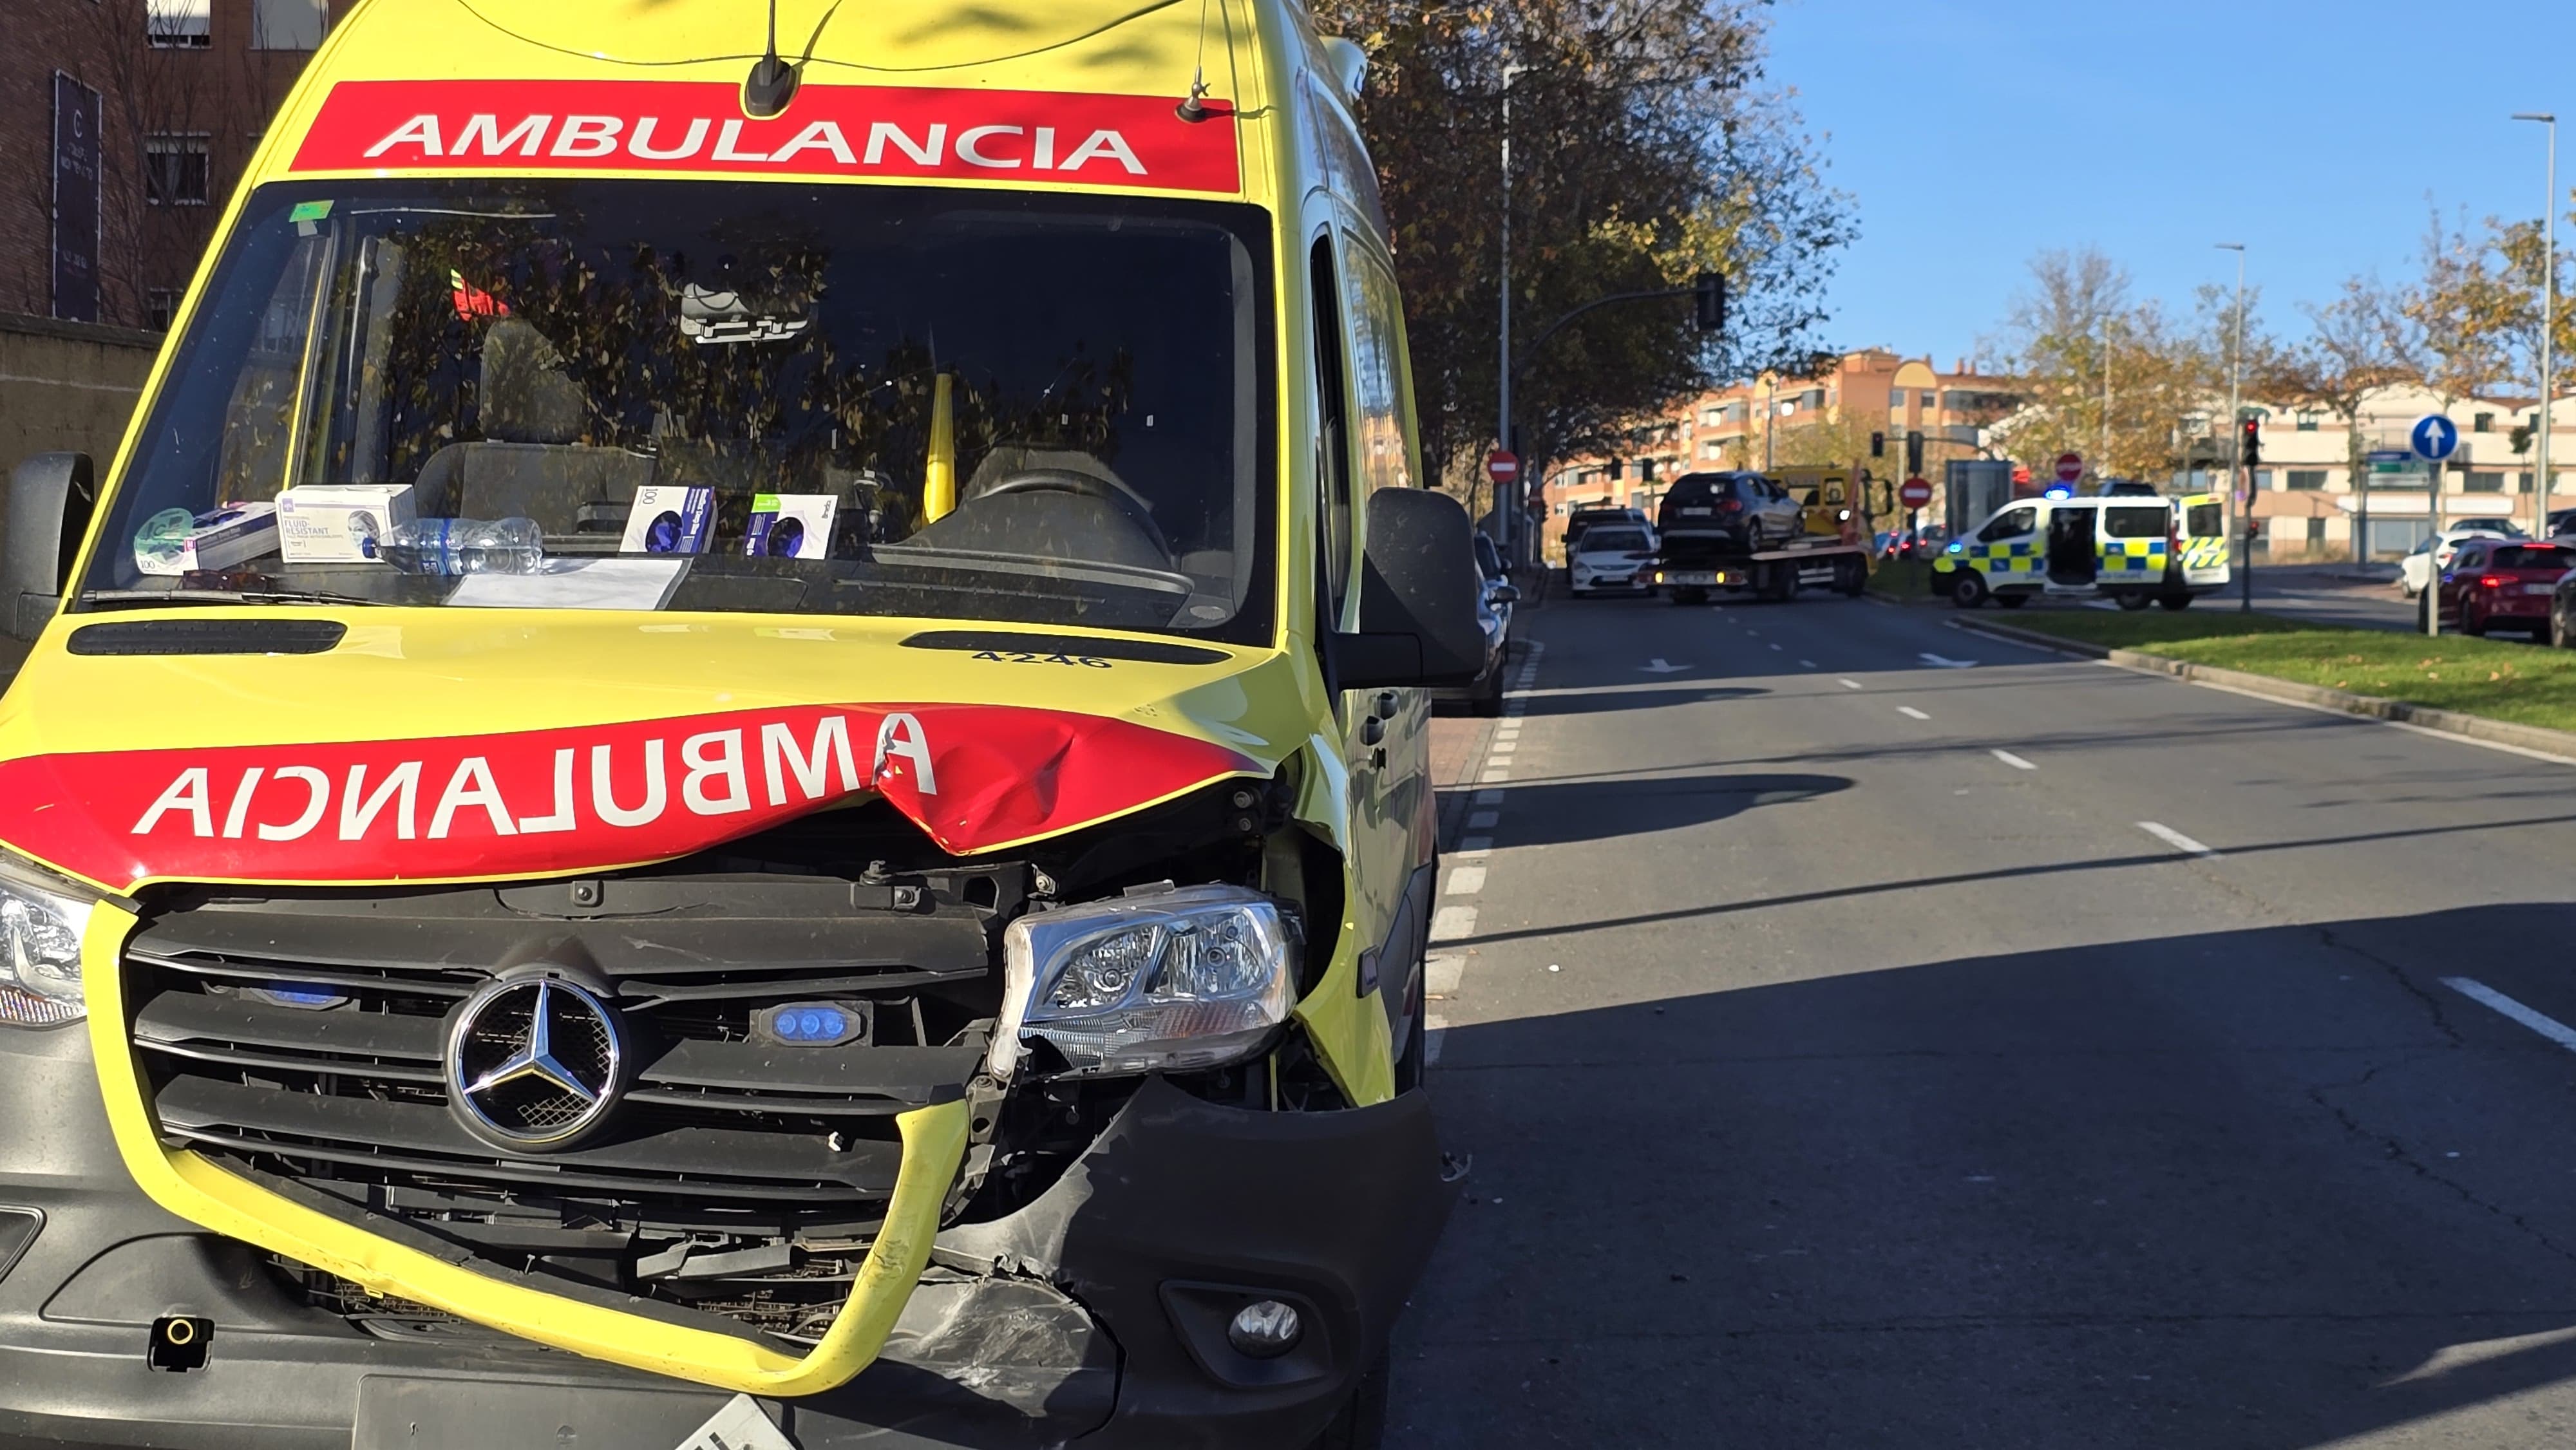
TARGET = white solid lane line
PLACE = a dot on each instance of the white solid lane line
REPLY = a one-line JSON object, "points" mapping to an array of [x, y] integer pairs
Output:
{"points": [[1848, 684], [1911, 713], [2175, 839], [2015, 761], [2549, 1027]]}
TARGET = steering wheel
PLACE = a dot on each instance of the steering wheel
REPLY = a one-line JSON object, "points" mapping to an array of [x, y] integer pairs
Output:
{"points": [[1085, 485]]}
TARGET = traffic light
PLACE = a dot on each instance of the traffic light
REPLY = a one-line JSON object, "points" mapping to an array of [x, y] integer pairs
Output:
{"points": [[1914, 453], [1878, 445], [1614, 470], [2250, 451], [1708, 302]]}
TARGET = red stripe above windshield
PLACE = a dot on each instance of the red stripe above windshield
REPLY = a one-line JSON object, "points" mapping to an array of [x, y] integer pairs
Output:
{"points": [[1035, 137]]}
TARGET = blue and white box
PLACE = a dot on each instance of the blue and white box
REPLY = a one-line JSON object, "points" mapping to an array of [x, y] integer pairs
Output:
{"points": [[791, 525], [670, 520]]}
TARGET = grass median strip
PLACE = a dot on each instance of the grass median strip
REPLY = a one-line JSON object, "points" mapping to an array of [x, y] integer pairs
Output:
{"points": [[2516, 681]]}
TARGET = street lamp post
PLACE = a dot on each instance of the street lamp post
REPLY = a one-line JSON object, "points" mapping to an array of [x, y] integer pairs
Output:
{"points": [[2548, 317], [1504, 522], [2235, 375]]}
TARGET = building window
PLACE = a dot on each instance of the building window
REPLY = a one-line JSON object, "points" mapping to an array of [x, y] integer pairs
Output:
{"points": [[2262, 478], [1708, 417], [2306, 480], [179, 24], [2307, 424], [2482, 423], [2316, 531], [160, 308], [1930, 400], [2482, 481], [175, 168], [286, 24]]}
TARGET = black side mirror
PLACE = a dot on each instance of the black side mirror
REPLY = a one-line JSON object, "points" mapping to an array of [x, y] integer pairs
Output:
{"points": [[1505, 594], [51, 497], [1418, 591]]}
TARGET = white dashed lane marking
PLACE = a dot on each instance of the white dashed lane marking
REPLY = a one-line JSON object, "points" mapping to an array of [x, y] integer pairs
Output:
{"points": [[1466, 880], [1453, 923], [1911, 713], [2015, 761], [2174, 838], [2547, 1026], [1848, 684]]}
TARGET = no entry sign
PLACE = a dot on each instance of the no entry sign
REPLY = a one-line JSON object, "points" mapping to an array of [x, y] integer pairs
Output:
{"points": [[2070, 467], [1915, 493], [1502, 466]]}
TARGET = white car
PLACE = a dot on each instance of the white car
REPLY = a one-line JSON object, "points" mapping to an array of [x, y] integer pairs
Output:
{"points": [[1612, 556], [2416, 569]]}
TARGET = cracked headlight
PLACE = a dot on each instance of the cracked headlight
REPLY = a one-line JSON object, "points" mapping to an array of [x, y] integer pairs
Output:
{"points": [[40, 938], [1164, 982]]}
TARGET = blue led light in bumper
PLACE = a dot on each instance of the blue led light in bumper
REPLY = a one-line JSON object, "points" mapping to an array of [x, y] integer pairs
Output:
{"points": [[812, 1024]]}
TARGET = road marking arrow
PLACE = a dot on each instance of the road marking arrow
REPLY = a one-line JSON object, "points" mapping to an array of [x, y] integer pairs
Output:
{"points": [[1660, 668], [1939, 663]]}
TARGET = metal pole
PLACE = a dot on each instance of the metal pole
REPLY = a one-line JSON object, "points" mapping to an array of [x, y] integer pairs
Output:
{"points": [[2102, 463], [2236, 425], [1503, 423], [2548, 318]]}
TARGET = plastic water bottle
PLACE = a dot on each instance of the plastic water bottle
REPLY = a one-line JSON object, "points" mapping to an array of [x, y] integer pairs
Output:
{"points": [[466, 546]]}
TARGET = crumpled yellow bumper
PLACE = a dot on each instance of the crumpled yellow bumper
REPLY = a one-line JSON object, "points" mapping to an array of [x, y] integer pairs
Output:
{"points": [[934, 1143]]}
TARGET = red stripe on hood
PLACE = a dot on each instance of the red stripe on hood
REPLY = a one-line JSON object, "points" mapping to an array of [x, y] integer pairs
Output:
{"points": [[543, 802]]}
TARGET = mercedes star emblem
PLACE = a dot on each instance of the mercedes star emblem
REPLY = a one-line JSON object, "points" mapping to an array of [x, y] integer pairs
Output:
{"points": [[533, 1062]]}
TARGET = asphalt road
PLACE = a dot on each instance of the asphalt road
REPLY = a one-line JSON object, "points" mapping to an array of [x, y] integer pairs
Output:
{"points": [[1845, 1061]]}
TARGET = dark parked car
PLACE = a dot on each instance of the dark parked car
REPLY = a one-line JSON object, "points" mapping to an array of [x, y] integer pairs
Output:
{"points": [[1752, 510], [2503, 584], [1494, 605]]}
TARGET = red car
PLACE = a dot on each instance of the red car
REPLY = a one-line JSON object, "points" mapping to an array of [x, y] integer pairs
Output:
{"points": [[2501, 584]]}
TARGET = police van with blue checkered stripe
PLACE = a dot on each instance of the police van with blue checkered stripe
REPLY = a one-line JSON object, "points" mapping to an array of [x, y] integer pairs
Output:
{"points": [[2131, 549]]}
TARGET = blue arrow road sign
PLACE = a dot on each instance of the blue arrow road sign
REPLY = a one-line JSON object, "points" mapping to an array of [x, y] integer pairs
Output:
{"points": [[2434, 437]]}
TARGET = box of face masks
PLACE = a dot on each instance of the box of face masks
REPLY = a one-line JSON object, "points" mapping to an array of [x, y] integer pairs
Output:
{"points": [[340, 523], [670, 520], [235, 534], [791, 525]]}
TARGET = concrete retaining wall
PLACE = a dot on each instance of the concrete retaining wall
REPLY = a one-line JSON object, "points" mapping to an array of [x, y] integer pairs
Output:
{"points": [[67, 386]]}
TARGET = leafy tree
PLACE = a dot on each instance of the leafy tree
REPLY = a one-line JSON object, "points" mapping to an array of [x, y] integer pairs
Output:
{"points": [[1645, 148]]}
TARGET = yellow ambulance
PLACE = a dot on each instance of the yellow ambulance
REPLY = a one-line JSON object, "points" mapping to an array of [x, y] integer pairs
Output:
{"points": [[737, 756]]}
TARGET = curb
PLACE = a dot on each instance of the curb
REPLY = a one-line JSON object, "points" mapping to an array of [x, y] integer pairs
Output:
{"points": [[2425, 717]]}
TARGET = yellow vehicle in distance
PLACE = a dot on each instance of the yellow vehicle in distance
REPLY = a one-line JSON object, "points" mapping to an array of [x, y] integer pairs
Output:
{"points": [[740, 748]]}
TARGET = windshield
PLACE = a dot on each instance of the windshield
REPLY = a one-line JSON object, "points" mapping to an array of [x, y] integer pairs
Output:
{"points": [[1612, 541], [743, 397]]}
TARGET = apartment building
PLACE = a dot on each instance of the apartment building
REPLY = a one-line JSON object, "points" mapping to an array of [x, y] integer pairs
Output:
{"points": [[1776, 420], [2310, 503]]}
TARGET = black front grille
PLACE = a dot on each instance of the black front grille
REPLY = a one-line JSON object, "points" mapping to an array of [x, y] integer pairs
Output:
{"points": [[302, 1037]]}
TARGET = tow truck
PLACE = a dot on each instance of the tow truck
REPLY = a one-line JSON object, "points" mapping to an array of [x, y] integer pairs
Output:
{"points": [[1715, 532]]}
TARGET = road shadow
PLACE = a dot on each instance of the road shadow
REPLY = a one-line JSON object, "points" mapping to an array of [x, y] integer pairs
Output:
{"points": [[1602, 701], [2267, 1188], [1569, 812]]}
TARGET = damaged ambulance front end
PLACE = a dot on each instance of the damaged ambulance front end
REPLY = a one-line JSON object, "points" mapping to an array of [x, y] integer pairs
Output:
{"points": [[875, 895]]}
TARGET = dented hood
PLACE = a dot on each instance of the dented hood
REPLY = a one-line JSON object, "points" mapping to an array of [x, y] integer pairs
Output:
{"points": [[435, 748]]}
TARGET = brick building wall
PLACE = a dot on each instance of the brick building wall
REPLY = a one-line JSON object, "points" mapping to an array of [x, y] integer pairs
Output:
{"points": [[179, 120]]}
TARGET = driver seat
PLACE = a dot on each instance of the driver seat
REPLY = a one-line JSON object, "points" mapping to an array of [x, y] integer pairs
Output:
{"points": [[1053, 523]]}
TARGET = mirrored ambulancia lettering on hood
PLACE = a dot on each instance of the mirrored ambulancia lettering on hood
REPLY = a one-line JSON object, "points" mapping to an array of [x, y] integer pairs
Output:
{"points": [[538, 802]]}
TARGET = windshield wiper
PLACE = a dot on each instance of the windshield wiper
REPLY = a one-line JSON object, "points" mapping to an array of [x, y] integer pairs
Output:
{"points": [[146, 598]]}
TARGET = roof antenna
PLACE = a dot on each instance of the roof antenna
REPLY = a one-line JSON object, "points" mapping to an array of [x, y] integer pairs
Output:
{"points": [[772, 82], [1194, 109]]}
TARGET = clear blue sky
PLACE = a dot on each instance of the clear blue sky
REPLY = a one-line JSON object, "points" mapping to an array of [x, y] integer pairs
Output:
{"points": [[1973, 133]]}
